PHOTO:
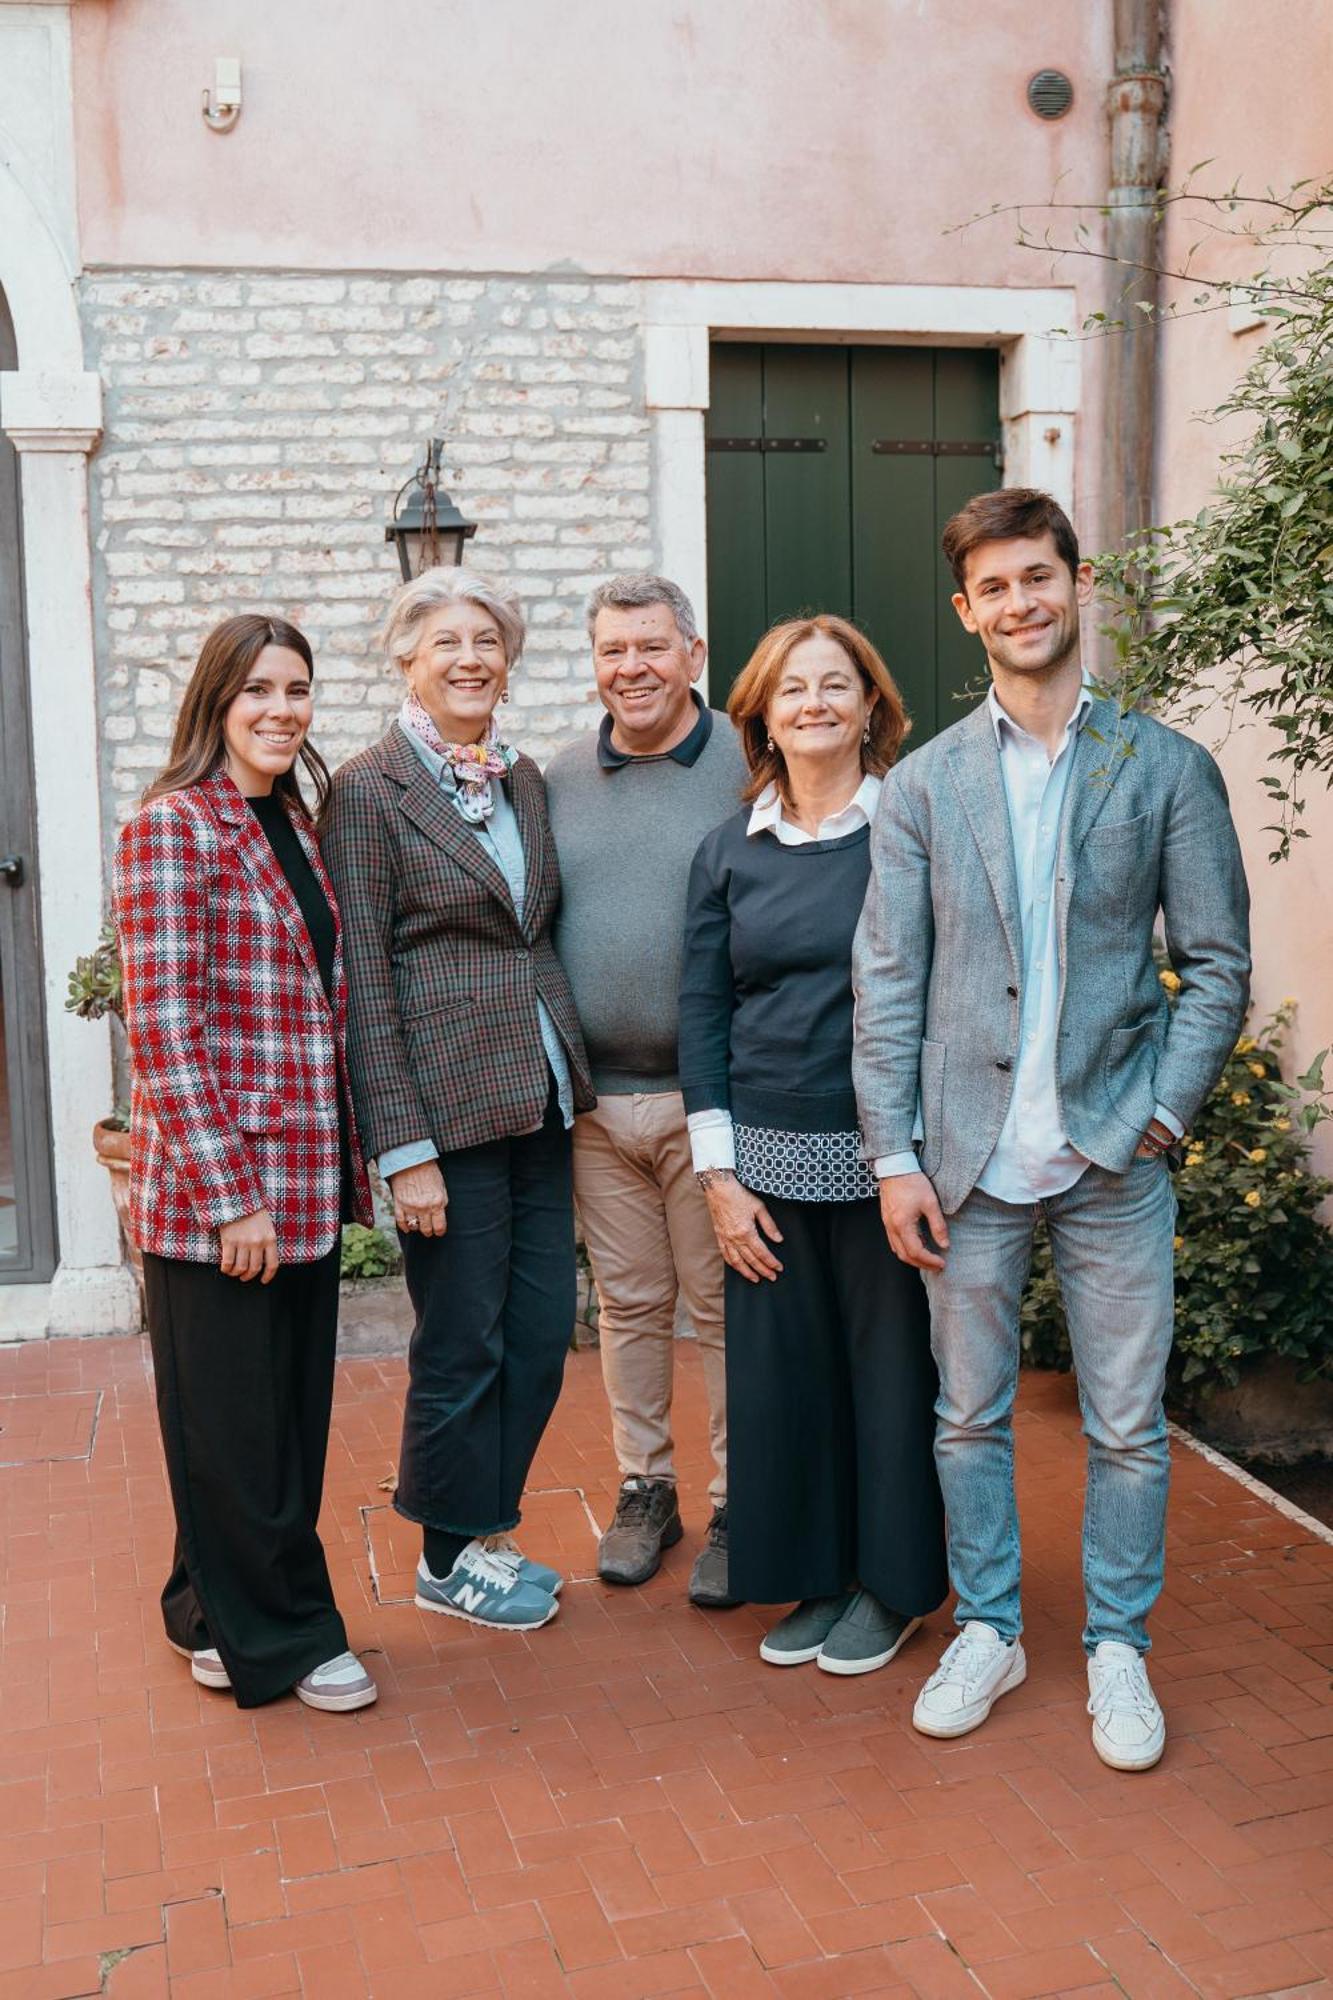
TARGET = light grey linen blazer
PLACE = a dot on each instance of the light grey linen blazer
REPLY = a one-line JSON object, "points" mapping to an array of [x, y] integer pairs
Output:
{"points": [[938, 957]]}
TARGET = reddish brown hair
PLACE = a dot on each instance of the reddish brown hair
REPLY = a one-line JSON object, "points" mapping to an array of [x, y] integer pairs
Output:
{"points": [[747, 704], [1015, 513], [226, 661]]}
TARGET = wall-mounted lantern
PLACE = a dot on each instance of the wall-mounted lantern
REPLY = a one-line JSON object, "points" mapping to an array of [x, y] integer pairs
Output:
{"points": [[426, 526]]}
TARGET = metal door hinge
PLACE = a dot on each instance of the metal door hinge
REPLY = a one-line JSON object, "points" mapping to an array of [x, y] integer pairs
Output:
{"points": [[766, 444]]}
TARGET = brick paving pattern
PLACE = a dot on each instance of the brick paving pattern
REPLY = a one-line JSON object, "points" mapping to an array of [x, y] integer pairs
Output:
{"points": [[628, 1803]]}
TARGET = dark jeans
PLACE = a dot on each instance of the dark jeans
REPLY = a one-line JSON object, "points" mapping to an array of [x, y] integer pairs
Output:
{"points": [[831, 1421], [244, 1376], [494, 1299]]}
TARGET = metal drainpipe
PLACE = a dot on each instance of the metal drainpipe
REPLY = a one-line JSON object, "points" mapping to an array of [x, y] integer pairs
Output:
{"points": [[1136, 101]]}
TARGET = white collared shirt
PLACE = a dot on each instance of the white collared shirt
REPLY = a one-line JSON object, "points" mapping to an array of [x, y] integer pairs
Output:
{"points": [[711, 1139]]}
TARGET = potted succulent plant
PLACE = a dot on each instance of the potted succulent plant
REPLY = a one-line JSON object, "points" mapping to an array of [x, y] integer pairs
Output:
{"points": [[94, 992]]}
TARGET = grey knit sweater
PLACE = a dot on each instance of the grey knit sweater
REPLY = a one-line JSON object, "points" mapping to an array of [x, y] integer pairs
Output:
{"points": [[626, 835]]}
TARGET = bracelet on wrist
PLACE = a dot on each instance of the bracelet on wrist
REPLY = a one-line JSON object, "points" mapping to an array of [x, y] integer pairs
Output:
{"points": [[710, 1176]]}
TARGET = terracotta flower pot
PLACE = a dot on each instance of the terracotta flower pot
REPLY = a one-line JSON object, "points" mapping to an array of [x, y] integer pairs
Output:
{"points": [[112, 1148]]}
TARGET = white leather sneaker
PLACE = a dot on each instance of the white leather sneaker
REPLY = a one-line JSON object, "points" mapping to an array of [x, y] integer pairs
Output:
{"points": [[975, 1671], [1128, 1729], [340, 1684]]}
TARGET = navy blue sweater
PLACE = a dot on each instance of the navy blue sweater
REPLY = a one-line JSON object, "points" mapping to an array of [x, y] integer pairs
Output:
{"points": [[766, 986]]}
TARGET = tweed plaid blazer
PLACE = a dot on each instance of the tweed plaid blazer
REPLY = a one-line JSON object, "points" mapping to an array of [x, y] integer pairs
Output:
{"points": [[237, 1057], [443, 1037]]}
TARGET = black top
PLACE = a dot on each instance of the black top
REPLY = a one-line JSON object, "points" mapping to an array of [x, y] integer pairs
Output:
{"points": [[685, 752], [301, 880], [766, 992]]}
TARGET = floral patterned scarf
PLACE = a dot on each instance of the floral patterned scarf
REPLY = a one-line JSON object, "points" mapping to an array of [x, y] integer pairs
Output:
{"points": [[473, 764]]}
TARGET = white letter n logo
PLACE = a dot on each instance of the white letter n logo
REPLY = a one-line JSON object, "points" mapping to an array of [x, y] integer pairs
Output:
{"points": [[470, 1598]]}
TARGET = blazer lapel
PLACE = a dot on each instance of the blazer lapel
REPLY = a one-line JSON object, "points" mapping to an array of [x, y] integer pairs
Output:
{"points": [[1104, 745], [439, 819], [974, 758], [251, 844], [523, 783]]}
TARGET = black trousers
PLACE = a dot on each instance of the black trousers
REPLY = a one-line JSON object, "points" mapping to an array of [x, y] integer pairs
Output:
{"points": [[494, 1299], [244, 1378], [831, 1419]]}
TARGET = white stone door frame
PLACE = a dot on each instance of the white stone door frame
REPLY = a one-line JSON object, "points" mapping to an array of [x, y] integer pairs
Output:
{"points": [[51, 409], [1039, 376]]}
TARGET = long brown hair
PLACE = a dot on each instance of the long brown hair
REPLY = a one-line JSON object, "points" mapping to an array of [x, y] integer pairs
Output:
{"points": [[747, 704], [226, 661]]}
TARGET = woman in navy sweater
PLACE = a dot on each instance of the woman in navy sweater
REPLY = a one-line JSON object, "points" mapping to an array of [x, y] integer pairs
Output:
{"points": [[833, 1499]]}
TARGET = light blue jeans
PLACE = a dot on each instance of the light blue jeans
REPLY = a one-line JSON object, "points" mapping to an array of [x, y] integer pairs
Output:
{"points": [[1111, 1238]]}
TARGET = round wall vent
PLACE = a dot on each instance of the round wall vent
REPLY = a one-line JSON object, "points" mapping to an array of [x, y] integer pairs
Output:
{"points": [[1050, 93]]}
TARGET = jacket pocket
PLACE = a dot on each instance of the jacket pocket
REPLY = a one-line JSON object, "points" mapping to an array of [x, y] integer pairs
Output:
{"points": [[932, 1105], [1130, 1070], [257, 1110]]}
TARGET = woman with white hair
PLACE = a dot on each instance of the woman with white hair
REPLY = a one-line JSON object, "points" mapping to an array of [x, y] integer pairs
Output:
{"points": [[467, 1066]]}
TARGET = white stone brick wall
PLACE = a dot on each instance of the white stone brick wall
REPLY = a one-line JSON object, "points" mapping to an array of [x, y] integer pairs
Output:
{"points": [[256, 430]]}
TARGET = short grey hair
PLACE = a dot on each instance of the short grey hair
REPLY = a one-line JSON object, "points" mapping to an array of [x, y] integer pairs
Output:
{"points": [[633, 590], [413, 602]]}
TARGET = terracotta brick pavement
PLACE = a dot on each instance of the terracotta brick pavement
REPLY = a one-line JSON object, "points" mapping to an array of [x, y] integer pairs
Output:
{"points": [[629, 1803]]}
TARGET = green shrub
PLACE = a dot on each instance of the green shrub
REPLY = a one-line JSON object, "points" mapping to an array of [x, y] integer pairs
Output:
{"points": [[1254, 1265], [368, 1253]]}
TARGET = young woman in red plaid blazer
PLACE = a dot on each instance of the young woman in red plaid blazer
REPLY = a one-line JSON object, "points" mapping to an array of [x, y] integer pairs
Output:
{"points": [[244, 1162]]}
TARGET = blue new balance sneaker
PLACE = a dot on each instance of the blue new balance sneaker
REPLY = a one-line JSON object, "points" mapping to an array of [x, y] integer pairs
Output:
{"points": [[485, 1591], [506, 1550]]}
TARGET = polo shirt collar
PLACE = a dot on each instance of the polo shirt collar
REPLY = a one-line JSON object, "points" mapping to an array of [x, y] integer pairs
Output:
{"points": [[687, 751]]}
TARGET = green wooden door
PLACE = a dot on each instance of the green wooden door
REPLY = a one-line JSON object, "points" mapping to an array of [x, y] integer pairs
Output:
{"points": [[831, 472]]}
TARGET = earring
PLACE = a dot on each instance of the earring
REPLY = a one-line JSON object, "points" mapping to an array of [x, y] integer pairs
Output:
{"points": [[769, 746], [865, 734], [504, 697]]}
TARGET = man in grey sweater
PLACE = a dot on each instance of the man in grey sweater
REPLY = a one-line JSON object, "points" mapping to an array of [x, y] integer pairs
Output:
{"points": [[629, 807]]}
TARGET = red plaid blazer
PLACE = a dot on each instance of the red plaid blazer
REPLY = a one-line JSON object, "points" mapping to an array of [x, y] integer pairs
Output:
{"points": [[237, 1059]]}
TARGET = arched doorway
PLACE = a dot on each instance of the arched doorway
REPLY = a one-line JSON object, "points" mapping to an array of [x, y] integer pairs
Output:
{"points": [[27, 1208]]}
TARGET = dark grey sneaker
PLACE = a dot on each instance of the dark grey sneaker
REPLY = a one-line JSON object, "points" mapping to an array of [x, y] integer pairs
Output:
{"points": [[866, 1636], [708, 1578], [647, 1521], [799, 1636]]}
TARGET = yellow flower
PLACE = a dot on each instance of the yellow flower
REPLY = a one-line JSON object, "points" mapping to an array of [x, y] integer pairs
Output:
{"points": [[1244, 1045], [1171, 981], [1253, 1198], [1282, 1124], [1177, 1242], [1194, 1159], [1240, 1097], [1256, 1069], [1258, 1154]]}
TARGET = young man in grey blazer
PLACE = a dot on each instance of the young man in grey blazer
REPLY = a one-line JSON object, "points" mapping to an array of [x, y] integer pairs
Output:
{"points": [[1011, 1025]]}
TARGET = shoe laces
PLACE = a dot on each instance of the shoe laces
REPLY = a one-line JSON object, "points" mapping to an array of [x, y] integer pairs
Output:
{"points": [[968, 1660], [634, 1504], [502, 1548], [479, 1562], [1122, 1685], [717, 1528]]}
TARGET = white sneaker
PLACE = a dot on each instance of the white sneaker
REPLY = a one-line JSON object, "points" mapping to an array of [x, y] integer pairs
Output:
{"points": [[205, 1665], [1128, 1729], [975, 1671], [340, 1684]]}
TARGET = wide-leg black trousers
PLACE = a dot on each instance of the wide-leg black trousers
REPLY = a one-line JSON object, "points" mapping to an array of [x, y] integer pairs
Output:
{"points": [[244, 1377], [831, 1418]]}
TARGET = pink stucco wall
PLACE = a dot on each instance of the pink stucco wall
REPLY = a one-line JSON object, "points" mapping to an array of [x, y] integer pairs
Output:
{"points": [[1257, 102], [724, 138]]}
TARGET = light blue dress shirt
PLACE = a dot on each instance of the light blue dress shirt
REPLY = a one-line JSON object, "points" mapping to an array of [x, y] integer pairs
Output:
{"points": [[500, 837], [1033, 1158]]}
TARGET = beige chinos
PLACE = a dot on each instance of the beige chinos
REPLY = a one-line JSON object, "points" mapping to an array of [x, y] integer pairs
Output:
{"points": [[648, 1232]]}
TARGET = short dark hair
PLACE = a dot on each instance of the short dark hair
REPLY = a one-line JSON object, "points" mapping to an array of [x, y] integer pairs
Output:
{"points": [[1015, 513]]}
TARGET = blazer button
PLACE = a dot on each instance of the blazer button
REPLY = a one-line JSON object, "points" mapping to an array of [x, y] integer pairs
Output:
{"points": [[1004, 1063], [1012, 991]]}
